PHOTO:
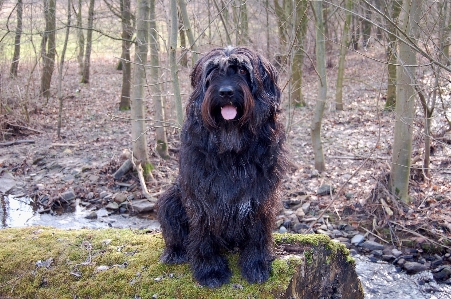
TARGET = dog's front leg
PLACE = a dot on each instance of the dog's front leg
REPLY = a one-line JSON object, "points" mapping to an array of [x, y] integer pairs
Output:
{"points": [[255, 258], [209, 267]]}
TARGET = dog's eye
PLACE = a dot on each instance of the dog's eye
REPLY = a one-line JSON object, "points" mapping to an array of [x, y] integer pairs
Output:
{"points": [[242, 71]]}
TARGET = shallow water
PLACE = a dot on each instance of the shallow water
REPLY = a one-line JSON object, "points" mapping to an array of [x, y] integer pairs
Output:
{"points": [[380, 280]]}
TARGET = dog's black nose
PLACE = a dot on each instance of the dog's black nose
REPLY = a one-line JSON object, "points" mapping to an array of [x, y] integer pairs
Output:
{"points": [[226, 91]]}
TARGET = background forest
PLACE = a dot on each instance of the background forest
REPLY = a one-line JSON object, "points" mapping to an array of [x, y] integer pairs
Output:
{"points": [[366, 92]]}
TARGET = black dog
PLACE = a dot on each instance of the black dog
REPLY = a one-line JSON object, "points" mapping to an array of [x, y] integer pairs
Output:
{"points": [[231, 164]]}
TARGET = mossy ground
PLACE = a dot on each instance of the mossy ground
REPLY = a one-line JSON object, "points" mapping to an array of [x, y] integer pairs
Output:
{"points": [[132, 267]]}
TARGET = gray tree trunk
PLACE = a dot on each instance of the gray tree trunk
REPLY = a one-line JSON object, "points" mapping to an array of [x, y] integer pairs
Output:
{"points": [[160, 130], [405, 103], [173, 63], [300, 24], [189, 32], [392, 43], [320, 164], [87, 60], [60, 70], [48, 54], [138, 115], [80, 39], [127, 34], [341, 63], [16, 55]]}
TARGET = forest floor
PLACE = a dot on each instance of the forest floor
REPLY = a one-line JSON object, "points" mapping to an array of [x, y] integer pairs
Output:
{"points": [[356, 143]]}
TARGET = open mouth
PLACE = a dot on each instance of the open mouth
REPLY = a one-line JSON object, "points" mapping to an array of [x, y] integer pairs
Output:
{"points": [[229, 112]]}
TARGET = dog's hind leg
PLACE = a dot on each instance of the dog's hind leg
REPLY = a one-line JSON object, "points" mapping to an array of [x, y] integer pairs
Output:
{"points": [[174, 225]]}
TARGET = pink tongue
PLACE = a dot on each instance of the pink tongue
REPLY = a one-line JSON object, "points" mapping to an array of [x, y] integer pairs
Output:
{"points": [[228, 112]]}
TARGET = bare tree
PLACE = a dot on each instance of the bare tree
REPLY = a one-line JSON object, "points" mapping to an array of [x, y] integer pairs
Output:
{"points": [[16, 55], [300, 24], [80, 38], [127, 33], [405, 102], [341, 63], [320, 164], [392, 10], [160, 131], [87, 60], [60, 69], [49, 53], [138, 114], [173, 62], [189, 31]]}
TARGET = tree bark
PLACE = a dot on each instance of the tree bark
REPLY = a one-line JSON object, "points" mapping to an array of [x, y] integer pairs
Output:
{"points": [[87, 60], [127, 34], [160, 130], [320, 164], [80, 39], [405, 103], [341, 63], [392, 43], [16, 55], [60, 70], [173, 63], [189, 32], [48, 54], [301, 23], [138, 115]]}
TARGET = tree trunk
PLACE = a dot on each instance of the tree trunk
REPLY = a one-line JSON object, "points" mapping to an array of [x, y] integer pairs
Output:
{"points": [[393, 12], [184, 55], [138, 114], [281, 23], [16, 56], [242, 23], [320, 164], [87, 61], [80, 39], [366, 34], [405, 103], [223, 21], [189, 32], [298, 59], [173, 63], [341, 63], [160, 130], [49, 40], [127, 34], [60, 70]]}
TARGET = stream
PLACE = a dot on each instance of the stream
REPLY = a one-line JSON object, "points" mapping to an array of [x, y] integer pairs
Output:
{"points": [[380, 280]]}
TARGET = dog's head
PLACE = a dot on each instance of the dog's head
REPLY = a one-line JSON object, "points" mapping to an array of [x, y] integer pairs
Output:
{"points": [[234, 87]]}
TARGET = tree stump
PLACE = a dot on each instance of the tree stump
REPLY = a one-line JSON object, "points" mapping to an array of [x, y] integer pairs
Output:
{"points": [[38, 262]]}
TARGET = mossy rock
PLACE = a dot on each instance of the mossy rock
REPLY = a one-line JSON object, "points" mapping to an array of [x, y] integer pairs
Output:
{"points": [[43, 262]]}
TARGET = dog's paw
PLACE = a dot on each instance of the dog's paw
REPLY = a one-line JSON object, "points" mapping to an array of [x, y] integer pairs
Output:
{"points": [[171, 256], [256, 272], [213, 275]]}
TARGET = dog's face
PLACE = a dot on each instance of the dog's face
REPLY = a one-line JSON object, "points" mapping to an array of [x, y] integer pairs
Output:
{"points": [[234, 87]]}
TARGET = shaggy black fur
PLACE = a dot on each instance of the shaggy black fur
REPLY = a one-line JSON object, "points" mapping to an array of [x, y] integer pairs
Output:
{"points": [[226, 195]]}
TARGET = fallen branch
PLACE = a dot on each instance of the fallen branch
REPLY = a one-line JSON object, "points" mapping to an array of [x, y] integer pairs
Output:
{"points": [[403, 228], [24, 128], [16, 142]]}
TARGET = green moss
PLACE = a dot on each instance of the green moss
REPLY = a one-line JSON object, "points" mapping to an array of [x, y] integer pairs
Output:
{"points": [[132, 267]]}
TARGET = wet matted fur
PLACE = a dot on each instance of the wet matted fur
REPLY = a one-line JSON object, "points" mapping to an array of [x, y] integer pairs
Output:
{"points": [[231, 163]]}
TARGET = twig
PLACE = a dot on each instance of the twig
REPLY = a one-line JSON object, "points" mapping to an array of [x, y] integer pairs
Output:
{"points": [[26, 128], [16, 142], [64, 144], [419, 235], [368, 231]]}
